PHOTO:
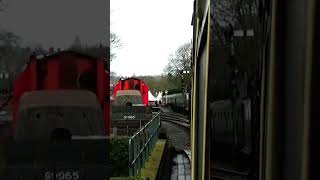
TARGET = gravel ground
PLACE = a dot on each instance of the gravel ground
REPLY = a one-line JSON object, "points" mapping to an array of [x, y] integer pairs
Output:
{"points": [[178, 137]]}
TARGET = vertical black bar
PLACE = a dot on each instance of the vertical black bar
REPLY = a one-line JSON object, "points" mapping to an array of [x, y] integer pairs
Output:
{"points": [[314, 149]]}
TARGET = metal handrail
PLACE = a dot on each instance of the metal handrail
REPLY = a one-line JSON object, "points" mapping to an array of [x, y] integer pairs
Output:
{"points": [[143, 147], [138, 132], [138, 154]]}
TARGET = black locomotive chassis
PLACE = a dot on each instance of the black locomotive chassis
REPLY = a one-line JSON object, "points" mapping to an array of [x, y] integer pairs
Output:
{"points": [[76, 160]]}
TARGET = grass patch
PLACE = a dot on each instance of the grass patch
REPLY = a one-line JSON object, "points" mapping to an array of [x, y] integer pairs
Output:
{"points": [[152, 165]]}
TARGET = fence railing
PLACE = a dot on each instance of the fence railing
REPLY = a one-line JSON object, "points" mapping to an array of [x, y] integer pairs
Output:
{"points": [[142, 143]]}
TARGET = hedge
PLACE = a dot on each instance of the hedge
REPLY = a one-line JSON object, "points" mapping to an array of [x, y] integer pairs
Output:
{"points": [[119, 156]]}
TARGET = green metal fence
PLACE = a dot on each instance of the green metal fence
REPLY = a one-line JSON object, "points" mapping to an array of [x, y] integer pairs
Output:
{"points": [[142, 143]]}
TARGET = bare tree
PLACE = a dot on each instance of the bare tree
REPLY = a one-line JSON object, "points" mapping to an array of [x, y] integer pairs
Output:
{"points": [[8, 43], [113, 77], [12, 55], [178, 62], [3, 4], [8, 40], [115, 42]]}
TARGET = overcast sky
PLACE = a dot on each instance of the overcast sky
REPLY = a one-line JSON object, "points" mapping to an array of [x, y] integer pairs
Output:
{"points": [[150, 31], [57, 22]]}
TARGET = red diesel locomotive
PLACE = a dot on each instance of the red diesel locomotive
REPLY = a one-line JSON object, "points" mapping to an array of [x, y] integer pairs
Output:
{"points": [[61, 119], [66, 70], [133, 84]]}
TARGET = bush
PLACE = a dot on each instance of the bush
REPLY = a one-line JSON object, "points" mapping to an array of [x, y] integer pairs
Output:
{"points": [[119, 156]]}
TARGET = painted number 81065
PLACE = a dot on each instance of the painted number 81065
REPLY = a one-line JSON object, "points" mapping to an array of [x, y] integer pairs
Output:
{"points": [[62, 175]]}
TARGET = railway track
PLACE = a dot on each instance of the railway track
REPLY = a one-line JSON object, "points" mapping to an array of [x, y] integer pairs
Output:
{"points": [[177, 128], [176, 118], [219, 173]]}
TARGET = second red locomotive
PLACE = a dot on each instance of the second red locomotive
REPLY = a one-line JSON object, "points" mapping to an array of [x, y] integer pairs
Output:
{"points": [[133, 84]]}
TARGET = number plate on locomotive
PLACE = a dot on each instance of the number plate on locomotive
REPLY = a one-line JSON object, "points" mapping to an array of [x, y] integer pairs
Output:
{"points": [[62, 175], [129, 117]]}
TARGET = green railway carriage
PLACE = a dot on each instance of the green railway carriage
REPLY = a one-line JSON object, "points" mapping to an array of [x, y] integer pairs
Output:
{"points": [[178, 101]]}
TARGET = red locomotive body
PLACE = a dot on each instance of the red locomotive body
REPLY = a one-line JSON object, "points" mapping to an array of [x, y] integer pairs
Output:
{"points": [[61, 71], [133, 84]]}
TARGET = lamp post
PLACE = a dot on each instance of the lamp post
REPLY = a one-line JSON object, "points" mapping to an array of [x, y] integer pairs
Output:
{"points": [[182, 81], [166, 96], [183, 85]]}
